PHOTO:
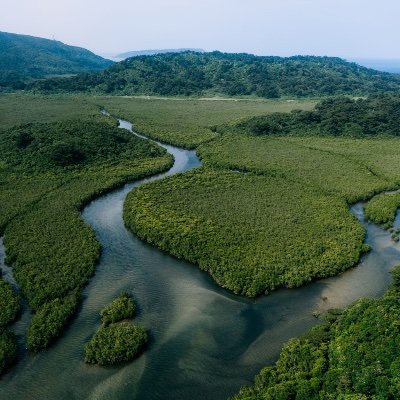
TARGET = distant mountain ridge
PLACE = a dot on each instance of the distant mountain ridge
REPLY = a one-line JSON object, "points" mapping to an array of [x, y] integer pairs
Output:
{"points": [[386, 65], [216, 73], [24, 58], [138, 53]]}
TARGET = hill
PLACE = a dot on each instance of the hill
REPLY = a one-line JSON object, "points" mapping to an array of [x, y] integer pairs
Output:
{"points": [[23, 58], [138, 53], [225, 74]]}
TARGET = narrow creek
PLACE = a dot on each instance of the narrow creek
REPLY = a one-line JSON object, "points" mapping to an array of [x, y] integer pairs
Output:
{"points": [[205, 342]]}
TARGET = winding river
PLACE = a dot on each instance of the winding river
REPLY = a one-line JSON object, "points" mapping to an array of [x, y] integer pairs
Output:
{"points": [[205, 342]]}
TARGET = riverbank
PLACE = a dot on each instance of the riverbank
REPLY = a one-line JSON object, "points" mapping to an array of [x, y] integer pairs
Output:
{"points": [[205, 342]]}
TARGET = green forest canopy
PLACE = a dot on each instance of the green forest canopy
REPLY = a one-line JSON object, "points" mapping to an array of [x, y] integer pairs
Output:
{"points": [[117, 340], [24, 58], [375, 115], [48, 172], [195, 74], [352, 355], [195, 215]]}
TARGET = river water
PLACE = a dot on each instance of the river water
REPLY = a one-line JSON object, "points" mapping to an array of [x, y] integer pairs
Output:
{"points": [[205, 342]]}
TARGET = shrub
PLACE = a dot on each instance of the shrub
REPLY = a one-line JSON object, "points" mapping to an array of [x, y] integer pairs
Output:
{"points": [[8, 350], [115, 343], [121, 308], [9, 303]]}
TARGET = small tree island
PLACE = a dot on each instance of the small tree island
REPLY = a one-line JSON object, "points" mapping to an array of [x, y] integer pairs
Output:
{"points": [[117, 341]]}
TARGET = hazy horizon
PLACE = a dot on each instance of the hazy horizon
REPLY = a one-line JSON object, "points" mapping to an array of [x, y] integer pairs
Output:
{"points": [[348, 29]]}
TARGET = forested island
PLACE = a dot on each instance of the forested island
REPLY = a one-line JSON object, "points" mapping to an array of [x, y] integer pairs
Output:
{"points": [[117, 340]]}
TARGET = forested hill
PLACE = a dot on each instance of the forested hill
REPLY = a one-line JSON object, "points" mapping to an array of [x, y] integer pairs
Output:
{"points": [[191, 73], [23, 58]]}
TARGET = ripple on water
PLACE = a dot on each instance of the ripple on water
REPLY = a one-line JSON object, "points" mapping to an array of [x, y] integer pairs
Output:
{"points": [[204, 341]]}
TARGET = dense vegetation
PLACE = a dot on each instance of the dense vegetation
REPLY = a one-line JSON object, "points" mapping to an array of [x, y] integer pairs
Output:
{"points": [[9, 310], [352, 178], [49, 321], [8, 350], [20, 109], [116, 342], [9, 303], [286, 187], [51, 168], [214, 73], [373, 116], [48, 172], [191, 122], [23, 58], [288, 233], [121, 308], [382, 209], [352, 355]]}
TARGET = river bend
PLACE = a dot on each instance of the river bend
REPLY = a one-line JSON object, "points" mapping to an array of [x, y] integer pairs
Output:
{"points": [[205, 342]]}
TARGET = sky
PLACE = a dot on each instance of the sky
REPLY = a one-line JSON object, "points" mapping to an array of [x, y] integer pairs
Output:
{"points": [[347, 28]]}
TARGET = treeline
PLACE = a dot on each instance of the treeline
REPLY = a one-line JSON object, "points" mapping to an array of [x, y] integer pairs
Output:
{"points": [[48, 172], [194, 74], [342, 116], [352, 355]]}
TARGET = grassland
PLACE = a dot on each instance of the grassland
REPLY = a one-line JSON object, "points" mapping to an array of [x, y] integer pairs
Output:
{"points": [[349, 173], [187, 123], [379, 155], [19, 109]]}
